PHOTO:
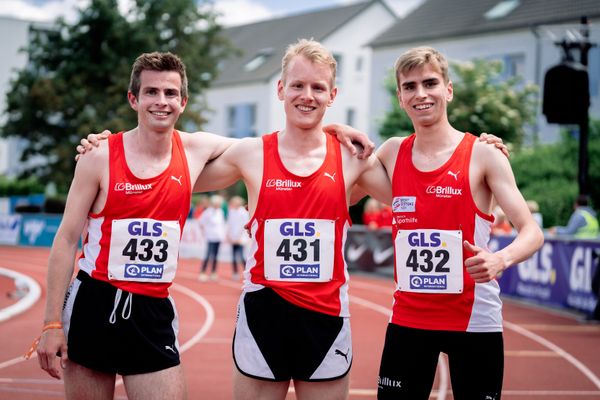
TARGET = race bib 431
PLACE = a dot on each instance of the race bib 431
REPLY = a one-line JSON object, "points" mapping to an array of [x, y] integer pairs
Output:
{"points": [[299, 250]]}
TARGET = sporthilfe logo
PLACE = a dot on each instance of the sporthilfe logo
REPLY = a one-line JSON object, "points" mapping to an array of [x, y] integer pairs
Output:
{"points": [[404, 204]]}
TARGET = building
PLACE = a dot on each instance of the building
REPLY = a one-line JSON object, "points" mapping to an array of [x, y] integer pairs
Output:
{"points": [[244, 99], [15, 58], [518, 32]]}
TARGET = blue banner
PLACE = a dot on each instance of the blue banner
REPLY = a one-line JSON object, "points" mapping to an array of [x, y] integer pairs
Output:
{"points": [[38, 229], [558, 275]]}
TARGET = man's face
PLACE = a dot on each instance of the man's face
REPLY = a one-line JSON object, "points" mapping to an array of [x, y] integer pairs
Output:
{"points": [[424, 95], [306, 93], [159, 103]]}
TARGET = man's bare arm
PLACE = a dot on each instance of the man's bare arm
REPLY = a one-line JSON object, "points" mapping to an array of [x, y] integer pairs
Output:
{"points": [[484, 266], [83, 192]]}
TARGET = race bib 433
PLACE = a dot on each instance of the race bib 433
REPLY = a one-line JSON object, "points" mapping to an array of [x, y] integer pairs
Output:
{"points": [[143, 250]]}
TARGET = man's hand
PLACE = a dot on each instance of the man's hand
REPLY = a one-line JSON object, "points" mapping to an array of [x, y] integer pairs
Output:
{"points": [[92, 140], [483, 266], [52, 344], [347, 135], [496, 141]]}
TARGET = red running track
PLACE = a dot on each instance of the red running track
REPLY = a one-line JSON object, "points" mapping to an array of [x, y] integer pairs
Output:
{"points": [[548, 355]]}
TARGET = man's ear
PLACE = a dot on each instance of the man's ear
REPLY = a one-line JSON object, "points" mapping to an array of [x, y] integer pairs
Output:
{"points": [[332, 95], [132, 100], [280, 89], [450, 92]]}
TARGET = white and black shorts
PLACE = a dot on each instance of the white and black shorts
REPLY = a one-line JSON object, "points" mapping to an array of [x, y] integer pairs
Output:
{"points": [[277, 341], [118, 332]]}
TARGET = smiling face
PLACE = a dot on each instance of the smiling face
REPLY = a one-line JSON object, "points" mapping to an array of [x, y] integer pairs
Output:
{"points": [[306, 91], [159, 102], [424, 95]]}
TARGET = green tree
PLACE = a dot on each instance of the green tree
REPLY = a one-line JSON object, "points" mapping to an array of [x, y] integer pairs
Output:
{"points": [[482, 103], [548, 174], [77, 76]]}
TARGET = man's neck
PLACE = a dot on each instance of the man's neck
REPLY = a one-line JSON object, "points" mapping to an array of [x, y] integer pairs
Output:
{"points": [[302, 140], [149, 142]]}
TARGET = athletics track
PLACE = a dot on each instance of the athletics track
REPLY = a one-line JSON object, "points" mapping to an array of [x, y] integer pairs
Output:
{"points": [[548, 355]]}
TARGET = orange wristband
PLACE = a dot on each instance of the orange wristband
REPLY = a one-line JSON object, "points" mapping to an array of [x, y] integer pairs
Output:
{"points": [[47, 327], [52, 325]]}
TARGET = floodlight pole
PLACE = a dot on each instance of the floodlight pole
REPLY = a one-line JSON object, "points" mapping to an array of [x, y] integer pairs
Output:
{"points": [[584, 125], [584, 47]]}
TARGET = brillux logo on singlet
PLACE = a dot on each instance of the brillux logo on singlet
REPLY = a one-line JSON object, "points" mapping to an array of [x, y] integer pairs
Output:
{"points": [[283, 184], [132, 188], [443, 191]]}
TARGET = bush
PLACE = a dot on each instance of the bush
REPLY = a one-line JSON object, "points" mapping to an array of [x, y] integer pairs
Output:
{"points": [[23, 187]]}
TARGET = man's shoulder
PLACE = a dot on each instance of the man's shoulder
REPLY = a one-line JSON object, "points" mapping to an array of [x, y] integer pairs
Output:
{"points": [[98, 155]]}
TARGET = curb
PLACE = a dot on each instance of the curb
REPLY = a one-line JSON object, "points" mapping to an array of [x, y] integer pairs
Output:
{"points": [[33, 294]]}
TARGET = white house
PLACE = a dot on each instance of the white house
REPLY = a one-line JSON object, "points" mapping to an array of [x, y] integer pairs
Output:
{"points": [[513, 31], [244, 99], [18, 32]]}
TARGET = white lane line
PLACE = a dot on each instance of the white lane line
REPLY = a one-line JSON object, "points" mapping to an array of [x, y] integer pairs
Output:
{"points": [[21, 281], [546, 343], [210, 315], [442, 365]]}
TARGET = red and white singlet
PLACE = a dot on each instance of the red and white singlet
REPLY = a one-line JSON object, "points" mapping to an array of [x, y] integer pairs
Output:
{"points": [[434, 212], [298, 233], [133, 243]]}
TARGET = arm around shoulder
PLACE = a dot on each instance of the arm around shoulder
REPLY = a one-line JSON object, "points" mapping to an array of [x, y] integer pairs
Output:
{"points": [[225, 170]]}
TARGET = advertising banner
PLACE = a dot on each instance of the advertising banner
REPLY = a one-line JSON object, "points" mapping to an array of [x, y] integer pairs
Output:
{"points": [[9, 229]]}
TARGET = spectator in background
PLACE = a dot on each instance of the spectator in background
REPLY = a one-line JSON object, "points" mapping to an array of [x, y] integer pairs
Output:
{"points": [[236, 233], [370, 214], [534, 208], [212, 224], [201, 204], [501, 225], [583, 223], [385, 216]]}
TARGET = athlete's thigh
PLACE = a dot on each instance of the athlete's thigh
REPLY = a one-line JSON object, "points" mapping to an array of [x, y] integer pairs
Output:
{"points": [[246, 388], [408, 364], [476, 362], [85, 383], [166, 384], [332, 390]]}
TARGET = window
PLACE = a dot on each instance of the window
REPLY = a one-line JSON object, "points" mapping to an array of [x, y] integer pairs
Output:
{"points": [[512, 65], [350, 117], [338, 75], [502, 9], [258, 60], [241, 120], [359, 64]]}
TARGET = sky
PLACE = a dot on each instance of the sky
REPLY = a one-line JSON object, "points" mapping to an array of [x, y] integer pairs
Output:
{"points": [[234, 12]]}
